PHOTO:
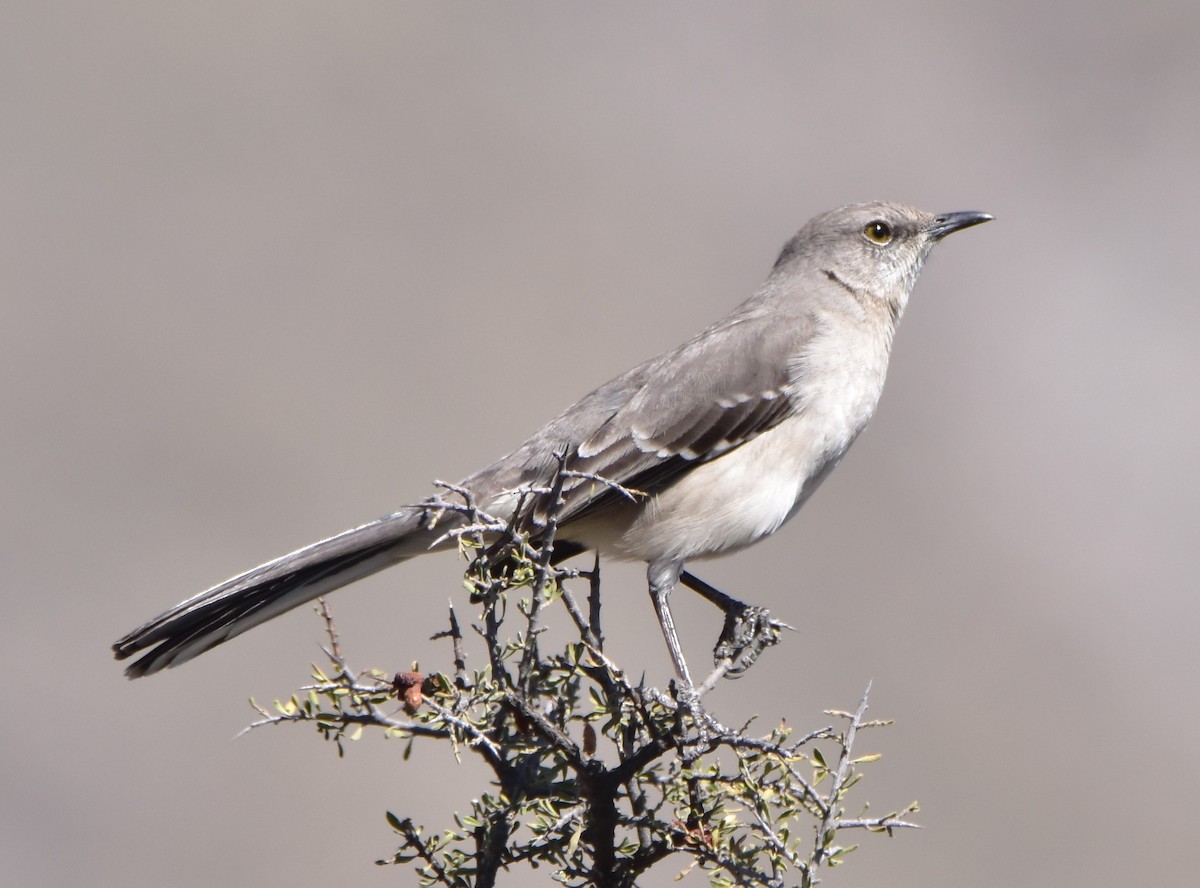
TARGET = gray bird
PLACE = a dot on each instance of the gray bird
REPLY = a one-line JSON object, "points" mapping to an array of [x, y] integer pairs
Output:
{"points": [[722, 440]]}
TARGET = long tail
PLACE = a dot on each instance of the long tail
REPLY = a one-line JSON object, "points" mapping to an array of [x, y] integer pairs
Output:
{"points": [[218, 614]]}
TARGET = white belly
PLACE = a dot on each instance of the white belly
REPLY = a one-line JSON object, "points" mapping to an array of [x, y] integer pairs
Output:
{"points": [[731, 502]]}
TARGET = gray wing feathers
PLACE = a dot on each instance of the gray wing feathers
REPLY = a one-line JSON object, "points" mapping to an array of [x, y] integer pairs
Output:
{"points": [[712, 394]]}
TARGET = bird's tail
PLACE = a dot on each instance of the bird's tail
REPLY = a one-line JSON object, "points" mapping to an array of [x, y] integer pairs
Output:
{"points": [[230, 608]]}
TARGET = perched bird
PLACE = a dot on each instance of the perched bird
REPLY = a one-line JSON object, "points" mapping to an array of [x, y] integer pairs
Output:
{"points": [[721, 440]]}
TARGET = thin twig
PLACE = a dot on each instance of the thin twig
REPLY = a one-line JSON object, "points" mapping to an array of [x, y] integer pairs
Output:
{"points": [[833, 809]]}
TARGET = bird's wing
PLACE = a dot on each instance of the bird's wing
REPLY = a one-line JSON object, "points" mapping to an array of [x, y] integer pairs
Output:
{"points": [[646, 428]]}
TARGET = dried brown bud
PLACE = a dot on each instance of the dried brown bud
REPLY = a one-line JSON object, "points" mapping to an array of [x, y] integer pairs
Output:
{"points": [[522, 723], [408, 687], [589, 739], [690, 834]]}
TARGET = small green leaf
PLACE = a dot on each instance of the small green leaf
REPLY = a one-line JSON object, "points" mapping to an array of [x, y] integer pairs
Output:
{"points": [[576, 835]]}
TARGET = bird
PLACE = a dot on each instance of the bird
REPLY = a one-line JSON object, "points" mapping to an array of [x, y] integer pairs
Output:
{"points": [[698, 452]]}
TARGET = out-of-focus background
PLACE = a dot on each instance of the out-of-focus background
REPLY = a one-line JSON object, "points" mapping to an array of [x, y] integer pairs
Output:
{"points": [[269, 269]]}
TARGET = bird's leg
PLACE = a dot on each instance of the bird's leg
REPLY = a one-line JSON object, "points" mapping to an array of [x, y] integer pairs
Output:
{"points": [[748, 630], [663, 577]]}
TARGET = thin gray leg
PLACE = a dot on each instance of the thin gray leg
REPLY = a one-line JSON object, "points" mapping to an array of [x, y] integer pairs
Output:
{"points": [[663, 577]]}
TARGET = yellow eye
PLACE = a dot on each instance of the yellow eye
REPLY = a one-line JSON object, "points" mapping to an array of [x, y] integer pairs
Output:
{"points": [[878, 232]]}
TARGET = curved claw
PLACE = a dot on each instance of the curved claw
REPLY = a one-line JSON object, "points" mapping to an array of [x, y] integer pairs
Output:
{"points": [[748, 631]]}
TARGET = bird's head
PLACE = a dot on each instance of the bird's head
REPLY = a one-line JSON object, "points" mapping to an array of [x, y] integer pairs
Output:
{"points": [[876, 250]]}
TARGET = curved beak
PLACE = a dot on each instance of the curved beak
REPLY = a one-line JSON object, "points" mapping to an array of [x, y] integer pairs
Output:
{"points": [[948, 223]]}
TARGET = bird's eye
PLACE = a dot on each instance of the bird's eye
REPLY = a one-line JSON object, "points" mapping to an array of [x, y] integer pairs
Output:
{"points": [[878, 232]]}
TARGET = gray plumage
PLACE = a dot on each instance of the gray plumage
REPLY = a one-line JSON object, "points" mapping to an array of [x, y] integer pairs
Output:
{"points": [[728, 435]]}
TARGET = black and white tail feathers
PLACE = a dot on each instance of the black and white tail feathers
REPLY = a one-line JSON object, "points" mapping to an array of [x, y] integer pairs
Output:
{"points": [[230, 608]]}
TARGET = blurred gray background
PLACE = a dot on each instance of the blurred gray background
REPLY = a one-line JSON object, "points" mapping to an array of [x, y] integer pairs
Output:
{"points": [[270, 268]]}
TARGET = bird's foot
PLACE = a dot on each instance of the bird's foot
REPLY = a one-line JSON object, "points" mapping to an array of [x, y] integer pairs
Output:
{"points": [[748, 631], [690, 708]]}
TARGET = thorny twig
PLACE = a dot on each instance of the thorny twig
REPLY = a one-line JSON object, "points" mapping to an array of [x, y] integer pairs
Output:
{"points": [[647, 781]]}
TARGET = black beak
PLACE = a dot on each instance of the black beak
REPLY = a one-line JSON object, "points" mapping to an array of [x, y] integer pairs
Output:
{"points": [[948, 223]]}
